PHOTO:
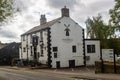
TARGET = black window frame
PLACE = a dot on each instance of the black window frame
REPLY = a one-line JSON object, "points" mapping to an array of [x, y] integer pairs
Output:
{"points": [[24, 38], [55, 55], [42, 54], [91, 48], [31, 48], [24, 49], [55, 49], [74, 49]]}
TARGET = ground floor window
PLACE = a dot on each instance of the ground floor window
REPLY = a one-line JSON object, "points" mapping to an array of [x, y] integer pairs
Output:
{"points": [[90, 48], [55, 55]]}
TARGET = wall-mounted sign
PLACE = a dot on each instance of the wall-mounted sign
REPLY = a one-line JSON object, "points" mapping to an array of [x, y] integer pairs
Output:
{"points": [[67, 30]]}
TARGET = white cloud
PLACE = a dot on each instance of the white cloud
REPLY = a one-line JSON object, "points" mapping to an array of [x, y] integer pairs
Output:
{"points": [[31, 10]]}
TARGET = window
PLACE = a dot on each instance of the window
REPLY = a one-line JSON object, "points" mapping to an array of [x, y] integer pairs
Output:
{"points": [[31, 38], [90, 48], [41, 36], [74, 49], [31, 50], [55, 55], [24, 49], [55, 49], [23, 38], [42, 53]]}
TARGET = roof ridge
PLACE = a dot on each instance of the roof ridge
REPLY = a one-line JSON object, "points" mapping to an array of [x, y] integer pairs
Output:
{"points": [[40, 27]]}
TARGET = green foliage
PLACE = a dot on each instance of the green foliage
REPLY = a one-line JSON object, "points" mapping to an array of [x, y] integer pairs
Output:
{"points": [[115, 15], [96, 28], [113, 43], [6, 8]]}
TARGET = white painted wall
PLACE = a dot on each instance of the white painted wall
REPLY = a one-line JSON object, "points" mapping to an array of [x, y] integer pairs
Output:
{"points": [[42, 59], [65, 43], [93, 56], [23, 44]]}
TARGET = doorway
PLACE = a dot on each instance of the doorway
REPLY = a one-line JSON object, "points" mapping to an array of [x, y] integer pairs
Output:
{"points": [[71, 63], [58, 64]]}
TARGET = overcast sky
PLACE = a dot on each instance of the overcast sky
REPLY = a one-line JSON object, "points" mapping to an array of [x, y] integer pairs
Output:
{"points": [[30, 11]]}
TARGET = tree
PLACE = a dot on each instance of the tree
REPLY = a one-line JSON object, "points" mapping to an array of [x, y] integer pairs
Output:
{"points": [[6, 9], [115, 15], [97, 29]]}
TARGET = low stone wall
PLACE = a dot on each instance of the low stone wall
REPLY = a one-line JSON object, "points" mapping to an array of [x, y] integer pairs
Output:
{"points": [[108, 67]]}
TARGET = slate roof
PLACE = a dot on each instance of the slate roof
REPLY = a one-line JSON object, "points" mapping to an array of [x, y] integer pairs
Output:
{"points": [[40, 27]]}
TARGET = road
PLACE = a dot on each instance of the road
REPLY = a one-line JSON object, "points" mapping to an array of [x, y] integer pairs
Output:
{"points": [[10, 74]]}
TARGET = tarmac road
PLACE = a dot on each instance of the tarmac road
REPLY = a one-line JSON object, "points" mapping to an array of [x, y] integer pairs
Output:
{"points": [[10, 74], [14, 73]]}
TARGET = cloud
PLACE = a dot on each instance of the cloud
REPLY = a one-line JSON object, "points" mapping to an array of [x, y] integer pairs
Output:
{"points": [[31, 10], [60, 3], [101, 5], [92, 8], [22, 5], [7, 34]]}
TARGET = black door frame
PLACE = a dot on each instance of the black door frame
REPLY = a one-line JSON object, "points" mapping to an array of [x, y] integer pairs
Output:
{"points": [[71, 63], [57, 64]]}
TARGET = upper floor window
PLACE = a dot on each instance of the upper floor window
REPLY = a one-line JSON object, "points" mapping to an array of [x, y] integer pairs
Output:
{"points": [[30, 38], [24, 49], [55, 49], [74, 49], [23, 38], [90, 48], [31, 50]]}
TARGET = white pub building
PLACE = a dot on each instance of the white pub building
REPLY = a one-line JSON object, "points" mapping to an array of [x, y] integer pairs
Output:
{"points": [[59, 43]]}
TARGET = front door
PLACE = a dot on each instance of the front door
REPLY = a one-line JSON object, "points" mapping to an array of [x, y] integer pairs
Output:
{"points": [[58, 64], [71, 63]]}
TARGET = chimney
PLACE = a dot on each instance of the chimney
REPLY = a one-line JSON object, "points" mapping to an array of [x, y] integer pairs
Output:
{"points": [[65, 12], [43, 20]]}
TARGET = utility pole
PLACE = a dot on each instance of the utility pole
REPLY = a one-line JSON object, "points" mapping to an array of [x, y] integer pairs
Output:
{"points": [[102, 62], [115, 71]]}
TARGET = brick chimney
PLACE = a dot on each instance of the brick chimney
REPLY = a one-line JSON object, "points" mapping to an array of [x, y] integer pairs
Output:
{"points": [[43, 20], [65, 12]]}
